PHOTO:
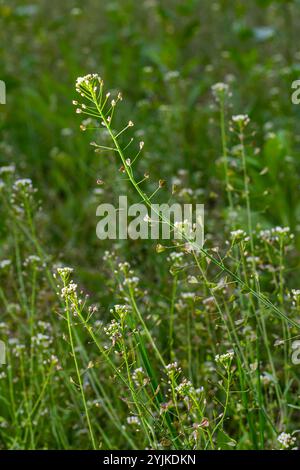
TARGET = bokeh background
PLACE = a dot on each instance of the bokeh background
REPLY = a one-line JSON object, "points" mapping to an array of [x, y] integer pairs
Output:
{"points": [[164, 56]]}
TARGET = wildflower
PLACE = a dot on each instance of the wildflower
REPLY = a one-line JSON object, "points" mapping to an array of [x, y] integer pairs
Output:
{"points": [[188, 295], [220, 90], [173, 368], [121, 310], [7, 169], [253, 259], [42, 341], [113, 331], [4, 263], [139, 377], [87, 83], [185, 388], [184, 229], [238, 236], [224, 358], [133, 420], [23, 183], [18, 349], [242, 120], [69, 290], [131, 281], [209, 302], [175, 256], [93, 309], [32, 260], [124, 267], [64, 272], [266, 379], [276, 234], [295, 297], [296, 293], [286, 440], [171, 75]]}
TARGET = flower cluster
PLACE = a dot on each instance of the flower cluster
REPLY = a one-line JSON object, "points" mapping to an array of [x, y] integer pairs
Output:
{"points": [[173, 368], [139, 377], [88, 83], [5, 263], [276, 234], [34, 261], [185, 388], [224, 358], [120, 310], [286, 440], [7, 170], [22, 197], [241, 120], [133, 420], [295, 297], [24, 184], [220, 90], [69, 291], [64, 274], [239, 236], [113, 331], [42, 341]]}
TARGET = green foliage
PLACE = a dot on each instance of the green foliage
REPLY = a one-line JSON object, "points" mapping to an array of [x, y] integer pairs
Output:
{"points": [[145, 346]]}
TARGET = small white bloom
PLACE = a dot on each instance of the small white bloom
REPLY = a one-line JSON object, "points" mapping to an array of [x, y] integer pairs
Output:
{"points": [[241, 119], [286, 440]]}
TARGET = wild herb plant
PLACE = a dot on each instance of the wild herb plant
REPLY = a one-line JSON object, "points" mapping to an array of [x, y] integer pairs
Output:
{"points": [[242, 281]]}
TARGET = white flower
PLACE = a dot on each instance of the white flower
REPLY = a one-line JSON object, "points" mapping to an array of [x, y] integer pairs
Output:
{"points": [[224, 358], [121, 310], [64, 272], [133, 420], [172, 74], [220, 90], [172, 368], [23, 183], [276, 234], [69, 290], [4, 263], [113, 331], [286, 440], [241, 119], [139, 377], [239, 235], [185, 388], [7, 169]]}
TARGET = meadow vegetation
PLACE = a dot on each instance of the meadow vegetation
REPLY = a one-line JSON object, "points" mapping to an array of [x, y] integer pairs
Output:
{"points": [[134, 344]]}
